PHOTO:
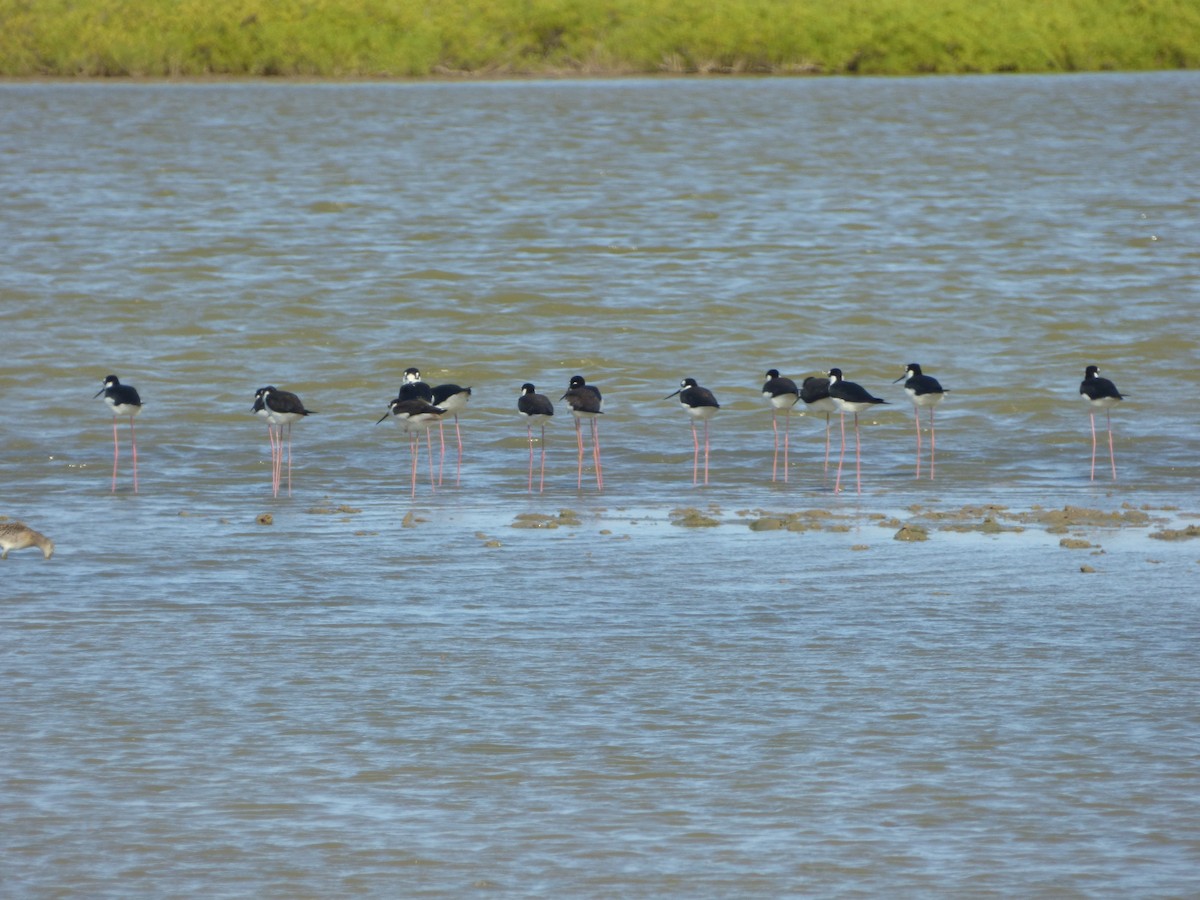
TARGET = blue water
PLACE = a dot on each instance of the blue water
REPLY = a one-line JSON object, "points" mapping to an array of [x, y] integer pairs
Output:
{"points": [[375, 694]]}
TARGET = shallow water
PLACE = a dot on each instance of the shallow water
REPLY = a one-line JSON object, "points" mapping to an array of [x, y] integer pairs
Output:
{"points": [[379, 695]]}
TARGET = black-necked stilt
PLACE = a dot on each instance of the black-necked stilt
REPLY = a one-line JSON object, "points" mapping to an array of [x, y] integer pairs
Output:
{"points": [[414, 416], [699, 403], [814, 391], [536, 409], [924, 391], [283, 408], [123, 400], [18, 536], [1100, 393], [452, 398], [413, 388], [849, 397], [585, 401], [782, 393]]}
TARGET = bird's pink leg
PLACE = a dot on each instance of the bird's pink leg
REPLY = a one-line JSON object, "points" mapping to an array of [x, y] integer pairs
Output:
{"points": [[596, 454], [706, 453], [442, 457], [828, 425], [133, 439], [1093, 418], [274, 453], [837, 485], [529, 434], [775, 459], [116, 455], [857, 456], [414, 445], [695, 452], [542, 477], [289, 459], [917, 412], [277, 461], [1111, 453], [787, 427], [429, 442], [458, 437], [932, 444], [579, 440]]}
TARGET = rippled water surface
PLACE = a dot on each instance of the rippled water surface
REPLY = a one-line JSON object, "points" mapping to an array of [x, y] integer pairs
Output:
{"points": [[653, 693]]}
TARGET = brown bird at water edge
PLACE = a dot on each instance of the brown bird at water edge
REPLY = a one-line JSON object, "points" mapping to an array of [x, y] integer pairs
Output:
{"points": [[18, 536]]}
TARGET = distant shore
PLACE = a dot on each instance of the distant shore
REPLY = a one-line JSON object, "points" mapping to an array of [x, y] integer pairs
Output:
{"points": [[384, 39]]}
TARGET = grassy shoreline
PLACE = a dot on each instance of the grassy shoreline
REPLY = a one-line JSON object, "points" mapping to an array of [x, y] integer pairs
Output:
{"points": [[554, 38]]}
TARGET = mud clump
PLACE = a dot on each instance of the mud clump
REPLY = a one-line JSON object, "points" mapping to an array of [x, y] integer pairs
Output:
{"points": [[690, 517], [1075, 544], [989, 525], [565, 518], [1176, 534], [265, 519], [767, 523], [911, 533], [1060, 520]]}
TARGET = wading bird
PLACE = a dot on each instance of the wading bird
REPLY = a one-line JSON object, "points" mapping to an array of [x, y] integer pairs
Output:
{"points": [[18, 536], [924, 391], [849, 397], [283, 408], [782, 394], [123, 400], [536, 409], [585, 402], [1100, 393], [699, 403]]}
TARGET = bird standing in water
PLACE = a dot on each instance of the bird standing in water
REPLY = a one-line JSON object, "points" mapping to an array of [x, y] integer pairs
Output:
{"points": [[699, 403], [536, 409], [924, 391], [782, 394], [283, 408], [1100, 393], [123, 400], [850, 397], [585, 402]]}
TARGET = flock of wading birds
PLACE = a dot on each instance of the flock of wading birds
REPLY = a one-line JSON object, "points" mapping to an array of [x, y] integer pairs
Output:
{"points": [[419, 406]]}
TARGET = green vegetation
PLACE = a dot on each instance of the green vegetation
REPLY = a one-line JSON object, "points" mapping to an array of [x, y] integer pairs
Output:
{"points": [[415, 38]]}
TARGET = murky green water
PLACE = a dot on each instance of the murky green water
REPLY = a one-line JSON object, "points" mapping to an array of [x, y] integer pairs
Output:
{"points": [[385, 696]]}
